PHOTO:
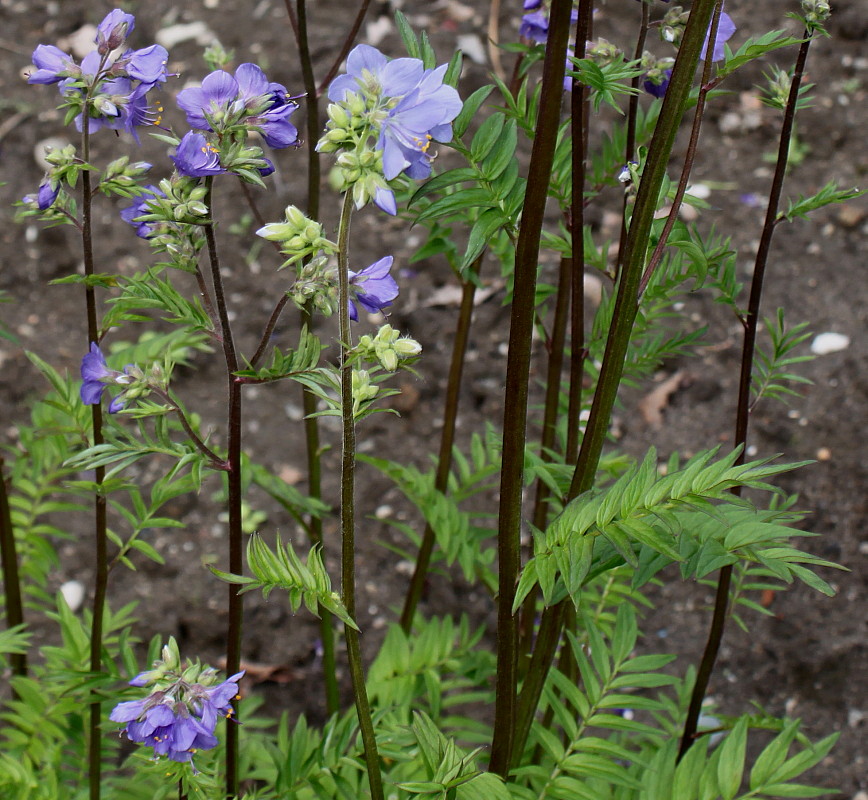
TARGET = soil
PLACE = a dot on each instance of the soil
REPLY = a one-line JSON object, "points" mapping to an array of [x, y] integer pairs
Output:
{"points": [[808, 659]]}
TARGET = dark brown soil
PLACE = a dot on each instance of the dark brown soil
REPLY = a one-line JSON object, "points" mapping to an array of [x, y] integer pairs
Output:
{"points": [[808, 660]]}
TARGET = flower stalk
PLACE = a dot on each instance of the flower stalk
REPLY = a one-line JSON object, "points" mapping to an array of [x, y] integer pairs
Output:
{"points": [[447, 439], [11, 578], [750, 322], [348, 464], [233, 460], [624, 315], [517, 378]]}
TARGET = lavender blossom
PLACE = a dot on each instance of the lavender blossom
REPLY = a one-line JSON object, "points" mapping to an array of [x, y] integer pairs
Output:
{"points": [[112, 32], [52, 65], [248, 97], [374, 287], [179, 716], [144, 229], [725, 30], [657, 84], [96, 377], [47, 194], [196, 157]]}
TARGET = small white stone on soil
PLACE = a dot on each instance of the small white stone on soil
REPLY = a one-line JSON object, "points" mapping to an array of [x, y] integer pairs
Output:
{"points": [[378, 30], [593, 287], [44, 145], [829, 342], [471, 45], [824, 454], [183, 32], [73, 594], [294, 412], [384, 511]]}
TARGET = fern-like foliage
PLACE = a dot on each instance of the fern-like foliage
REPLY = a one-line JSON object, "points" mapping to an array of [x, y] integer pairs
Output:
{"points": [[772, 376], [643, 513], [306, 583]]}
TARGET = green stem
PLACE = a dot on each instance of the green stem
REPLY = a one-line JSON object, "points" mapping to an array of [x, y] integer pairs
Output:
{"points": [[11, 578], [348, 478], [751, 321], [624, 315], [689, 156], [447, 439], [233, 459], [517, 377]]}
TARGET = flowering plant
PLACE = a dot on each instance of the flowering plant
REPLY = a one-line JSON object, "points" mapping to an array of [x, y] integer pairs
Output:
{"points": [[542, 524]]}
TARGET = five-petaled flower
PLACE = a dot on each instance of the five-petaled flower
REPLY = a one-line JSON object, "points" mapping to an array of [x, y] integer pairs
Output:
{"points": [[96, 377], [179, 718], [144, 228], [373, 287], [117, 85], [410, 105], [249, 97], [196, 157]]}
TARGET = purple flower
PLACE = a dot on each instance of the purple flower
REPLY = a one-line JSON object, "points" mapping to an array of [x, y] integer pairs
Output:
{"points": [[196, 157], [385, 200], [96, 376], [47, 194], [52, 65], [725, 30], [113, 30], [144, 229], [179, 720], [653, 87], [148, 65], [535, 26], [263, 105], [375, 288], [529, 5]]}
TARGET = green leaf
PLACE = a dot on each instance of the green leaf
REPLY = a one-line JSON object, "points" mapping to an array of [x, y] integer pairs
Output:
{"points": [[487, 137], [468, 111], [730, 767]]}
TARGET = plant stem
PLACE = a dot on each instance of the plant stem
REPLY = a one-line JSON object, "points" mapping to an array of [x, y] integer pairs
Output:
{"points": [[447, 439], [632, 115], [555, 346], [236, 563], [345, 49], [624, 315], [580, 111], [750, 322], [100, 519], [517, 376], [689, 156], [348, 478], [11, 579]]}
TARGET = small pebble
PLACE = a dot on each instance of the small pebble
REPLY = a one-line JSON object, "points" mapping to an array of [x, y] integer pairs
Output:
{"points": [[383, 512], [829, 342], [824, 454], [73, 594]]}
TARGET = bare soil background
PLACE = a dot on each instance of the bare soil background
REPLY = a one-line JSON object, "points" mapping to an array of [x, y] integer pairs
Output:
{"points": [[809, 659]]}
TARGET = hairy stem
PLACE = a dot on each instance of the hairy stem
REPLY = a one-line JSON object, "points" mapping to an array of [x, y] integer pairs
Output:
{"points": [[750, 321], [11, 579], [348, 520], [517, 378], [447, 439], [624, 315], [236, 564]]}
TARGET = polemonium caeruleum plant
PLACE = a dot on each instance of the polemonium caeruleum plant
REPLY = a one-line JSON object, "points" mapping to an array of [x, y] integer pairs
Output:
{"points": [[577, 712]]}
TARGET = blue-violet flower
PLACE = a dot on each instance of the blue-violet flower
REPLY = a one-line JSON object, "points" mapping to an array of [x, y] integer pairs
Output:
{"points": [[196, 157], [373, 287], [96, 376]]}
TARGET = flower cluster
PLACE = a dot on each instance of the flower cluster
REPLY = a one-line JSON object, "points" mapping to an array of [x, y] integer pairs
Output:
{"points": [[406, 106], [657, 72], [535, 25], [97, 377], [180, 714], [229, 106], [110, 90]]}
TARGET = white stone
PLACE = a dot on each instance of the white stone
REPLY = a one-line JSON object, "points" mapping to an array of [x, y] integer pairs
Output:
{"points": [[73, 594], [829, 342], [471, 45], [184, 32]]}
